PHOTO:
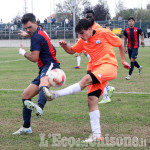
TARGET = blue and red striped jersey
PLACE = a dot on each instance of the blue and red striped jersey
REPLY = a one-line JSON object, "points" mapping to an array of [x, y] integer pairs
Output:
{"points": [[40, 41], [132, 35]]}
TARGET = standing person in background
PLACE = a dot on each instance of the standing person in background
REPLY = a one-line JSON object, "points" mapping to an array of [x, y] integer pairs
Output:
{"points": [[132, 35]]}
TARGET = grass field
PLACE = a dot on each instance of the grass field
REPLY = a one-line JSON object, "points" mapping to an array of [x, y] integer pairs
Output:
{"points": [[126, 116]]}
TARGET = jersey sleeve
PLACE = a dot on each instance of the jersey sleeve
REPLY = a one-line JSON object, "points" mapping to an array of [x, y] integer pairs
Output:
{"points": [[125, 33], [113, 39], [78, 47], [36, 43], [139, 31]]}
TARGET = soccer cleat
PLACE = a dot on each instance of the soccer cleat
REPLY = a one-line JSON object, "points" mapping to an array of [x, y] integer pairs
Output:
{"points": [[93, 138], [140, 68], [103, 101], [30, 105], [50, 95], [110, 92], [76, 67], [23, 130], [128, 77]]}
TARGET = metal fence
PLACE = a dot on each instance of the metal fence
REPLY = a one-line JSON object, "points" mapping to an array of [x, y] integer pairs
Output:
{"points": [[60, 31]]}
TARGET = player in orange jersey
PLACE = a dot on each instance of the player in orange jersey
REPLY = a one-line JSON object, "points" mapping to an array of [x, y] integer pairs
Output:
{"points": [[99, 44]]}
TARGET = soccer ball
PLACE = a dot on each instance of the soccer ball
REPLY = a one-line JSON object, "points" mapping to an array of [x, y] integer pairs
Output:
{"points": [[57, 77]]}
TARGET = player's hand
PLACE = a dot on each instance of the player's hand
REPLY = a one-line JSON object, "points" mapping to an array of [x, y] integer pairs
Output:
{"points": [[23, 33], [142, 43], [22, 50], [63, 43], [126, 65]]}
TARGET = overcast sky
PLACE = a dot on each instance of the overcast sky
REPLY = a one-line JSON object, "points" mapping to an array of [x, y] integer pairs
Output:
{"points": [[41, 8]]}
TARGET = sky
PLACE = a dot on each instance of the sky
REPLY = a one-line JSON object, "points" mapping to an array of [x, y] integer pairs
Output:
{"points": [[42, 9]]}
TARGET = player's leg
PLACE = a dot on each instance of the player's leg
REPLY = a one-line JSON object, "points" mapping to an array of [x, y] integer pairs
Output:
{"points": [[78, 61], [130, 53], [94, 114], [106, 98], [44, 83], [28, 93]]}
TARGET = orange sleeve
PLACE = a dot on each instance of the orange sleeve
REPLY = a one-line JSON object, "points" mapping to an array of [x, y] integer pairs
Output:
{"points": [[113, 39], [78, 47]]}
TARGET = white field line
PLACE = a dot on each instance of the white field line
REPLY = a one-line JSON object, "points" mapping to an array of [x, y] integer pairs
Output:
{"points": [[8, 61], [83, 91]]}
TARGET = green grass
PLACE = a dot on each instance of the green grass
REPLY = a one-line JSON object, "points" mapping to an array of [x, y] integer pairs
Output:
{"points": [[126, 116]]}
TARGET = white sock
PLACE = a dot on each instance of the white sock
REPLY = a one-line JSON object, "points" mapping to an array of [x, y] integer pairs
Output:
{"points": [[95, 122], [88, 56], [78, 60], [108, 88], [105, 94], [75, 88]]}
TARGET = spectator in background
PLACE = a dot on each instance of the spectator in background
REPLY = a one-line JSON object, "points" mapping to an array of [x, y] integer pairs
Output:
{"points": [[119, 21], [19, 24], [15, 24], [53, 20], [12, 29], [45, 22], [66, 23], [38, 21], [1, 21]]}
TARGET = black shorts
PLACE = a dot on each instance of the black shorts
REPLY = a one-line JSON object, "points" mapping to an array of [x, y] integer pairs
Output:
{"points": [[42, 72]]}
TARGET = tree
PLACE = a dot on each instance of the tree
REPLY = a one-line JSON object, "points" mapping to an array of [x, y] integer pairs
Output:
{"points": [[101, 11], [66, 8]]}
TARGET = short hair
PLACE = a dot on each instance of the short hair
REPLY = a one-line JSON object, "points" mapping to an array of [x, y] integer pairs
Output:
{"points": [[90, 11], [131, 18], [83, 24], [28, 17], [40, 26]]}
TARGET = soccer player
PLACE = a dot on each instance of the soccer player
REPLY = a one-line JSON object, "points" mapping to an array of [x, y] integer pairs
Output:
{"points": [[108, 91], [99, 44], [132, 35], [43, 53]]}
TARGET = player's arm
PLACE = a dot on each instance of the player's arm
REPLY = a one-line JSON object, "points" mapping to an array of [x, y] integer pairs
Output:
{"points": [[122, 54], [64, 45], [142, 39], [23, 34], [33, 56], [125, 44]]}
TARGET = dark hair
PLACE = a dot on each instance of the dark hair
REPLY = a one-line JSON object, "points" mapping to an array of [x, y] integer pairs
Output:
{"points": [[83, 24], [28, 17], [131, 18], [90, 11], [40, 26]]}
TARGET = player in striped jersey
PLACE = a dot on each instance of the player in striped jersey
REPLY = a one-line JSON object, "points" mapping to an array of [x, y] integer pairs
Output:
{"points": [[132, 35]]}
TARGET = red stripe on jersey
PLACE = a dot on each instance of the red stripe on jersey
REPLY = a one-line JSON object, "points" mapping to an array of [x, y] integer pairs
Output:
{"points": [[40, 63], [49, 44], [135, 37], [129, 39]]}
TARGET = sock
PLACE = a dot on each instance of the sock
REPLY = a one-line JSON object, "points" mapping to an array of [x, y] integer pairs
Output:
{"points": [[108, 87], [26, 115], [95, 122], [75, 88], [136, 64], [88, 56], [131, 69], [78, 60], [42, 99], [105, 95]]}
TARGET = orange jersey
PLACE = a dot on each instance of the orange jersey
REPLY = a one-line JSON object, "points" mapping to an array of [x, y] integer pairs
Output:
{"points": [[100, 47]]}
